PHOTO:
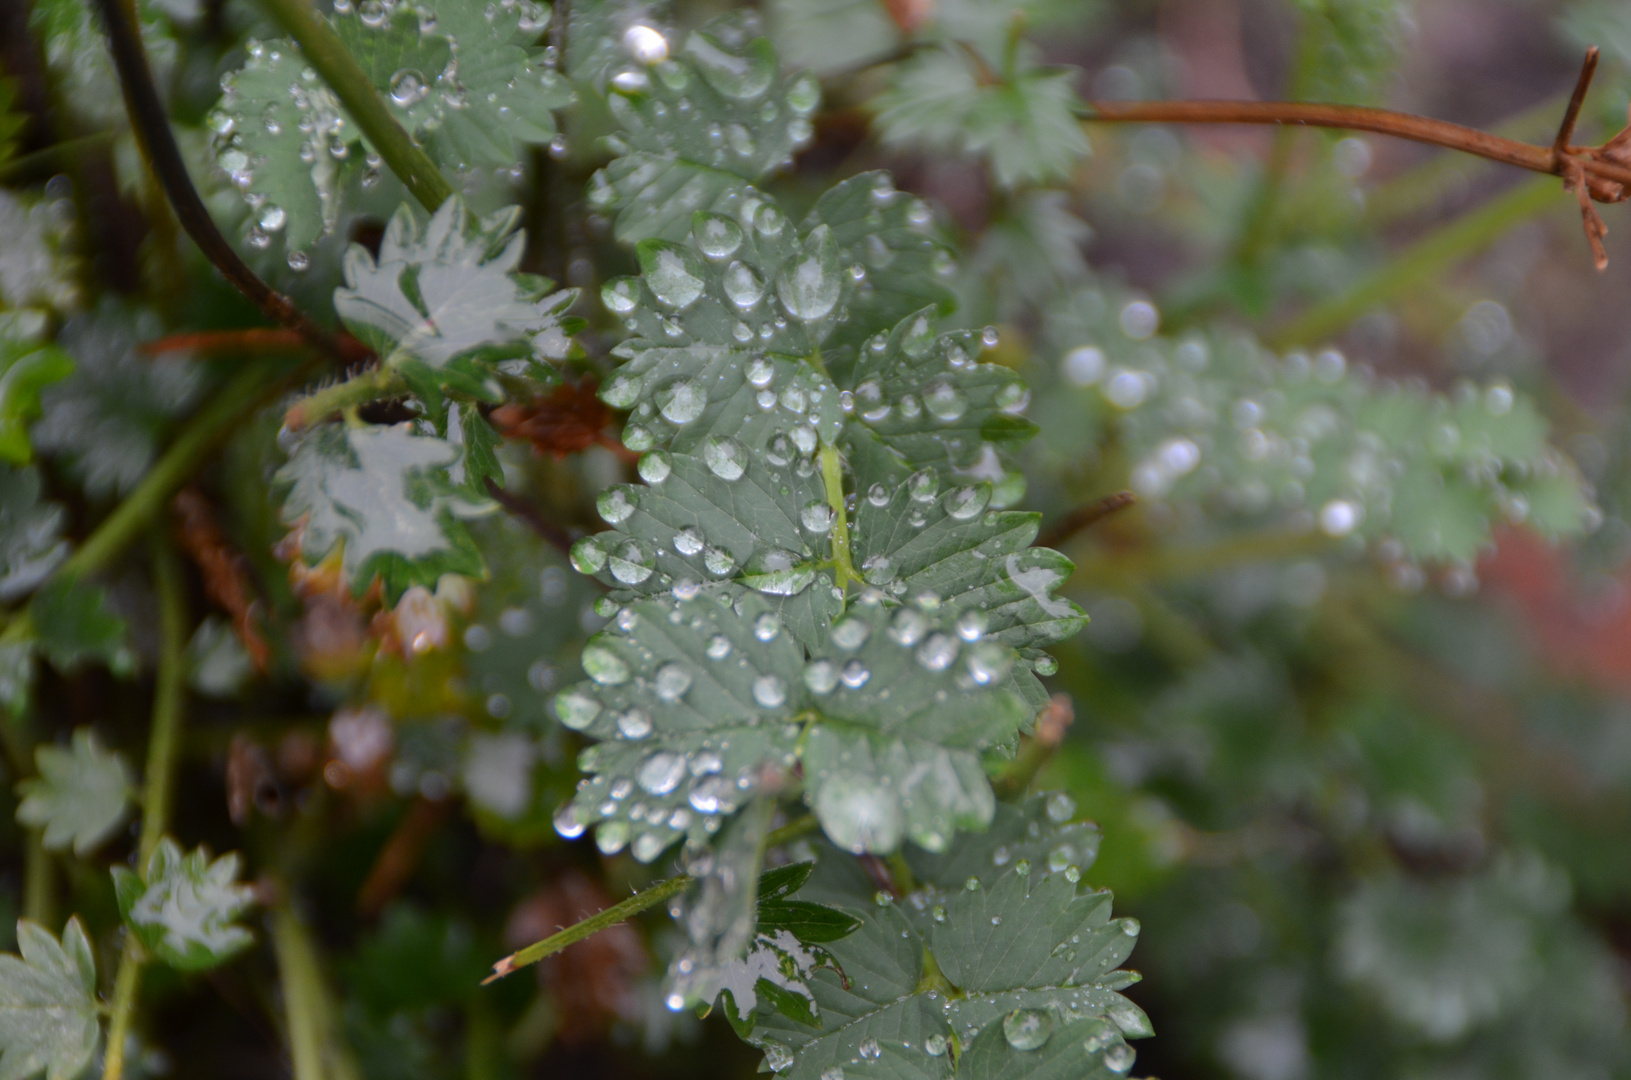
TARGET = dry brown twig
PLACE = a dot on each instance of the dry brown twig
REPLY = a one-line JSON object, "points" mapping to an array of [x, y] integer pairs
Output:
{"points": [[1593, 173]]}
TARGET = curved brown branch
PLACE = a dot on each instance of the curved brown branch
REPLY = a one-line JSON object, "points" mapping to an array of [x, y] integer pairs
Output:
{"points": [[152, 127]]}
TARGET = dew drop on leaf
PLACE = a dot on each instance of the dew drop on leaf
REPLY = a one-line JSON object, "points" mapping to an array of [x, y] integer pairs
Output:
{"points": [[1027, 1029]]}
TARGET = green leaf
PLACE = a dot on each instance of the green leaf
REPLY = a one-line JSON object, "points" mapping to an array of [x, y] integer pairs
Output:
{"points": [[1025, 125], [72, 624], [384, 495], [38, 267], [830, 36], [415, 960], [184, 912], [12, 121], [31, 543], [470, 86], [105, 420], [48, 1007], [1021, 936], [703, 700], [444, 295], [698, 127], [81, 796], [27, 366], [1089, 1049]]}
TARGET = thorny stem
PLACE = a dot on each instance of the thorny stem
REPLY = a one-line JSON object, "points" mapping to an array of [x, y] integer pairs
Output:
{"points": [[163, 745], [1423, 261], [377, 384], [152, 128], [832, 477], [328, 55], [627, 909]]}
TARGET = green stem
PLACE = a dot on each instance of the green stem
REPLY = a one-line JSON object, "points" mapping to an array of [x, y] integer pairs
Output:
{"points": [[1422, 262], [124, 1007], [627, 909], [67, 149], [248, 391], [327, 54], [163, 746], [377, 384], [302, 994], [575, 933], [169, 699], [832, 477], [39, 904]]}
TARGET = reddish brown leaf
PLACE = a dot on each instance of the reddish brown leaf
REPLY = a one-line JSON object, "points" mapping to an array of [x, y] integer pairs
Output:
{"points": [[568, 421], [226, 577]]}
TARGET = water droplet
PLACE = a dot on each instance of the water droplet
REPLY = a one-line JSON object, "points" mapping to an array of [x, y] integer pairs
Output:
{"points": [[967, 503], [854, 674], [821, 676], [1139, 319], [1126, 389], [850, 634], [743, 287], [1013, 399], [778, 573], [645, 44], [567, 823], [661, 773], [971, 625], [408, 88], [1119, 1058], [1339, 517], [631, 564], [1060, 807], [767, 626], [672, 680], [688, 541], [908, 626], [726, 458], [605, 666], [717, 237], [770, 691], [576, 709], [809, 286], [615, 504], [1027, 1029], [670, 274], [685, 402], [816, 516], [705, 796], [620, 295], [655, 467], [299, 261], [768, 221], [272, 217], [936, 1045], [634, 724], [989, 662], [878, 570], [869, 396], [686, 588], [937, 651], [588, 556], [944, 401], [833, 1072], [718, 561]]}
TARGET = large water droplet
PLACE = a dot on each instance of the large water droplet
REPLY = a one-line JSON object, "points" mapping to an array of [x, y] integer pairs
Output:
{"points": [[971, 624], [632, 563], [621, 295], [605, 666], [936, 1045], [615, 504], [717, 237], [611, 837], [810, 285], [937, 651], [944, 401], [770, 691], [1060, 807], [821, 676], [273, 218], [685, 402], [850, 634], [967, 503], [778, 573], [634, 724], [670, 273], [661, 773], [726, 458], [854, 674], [1027, 1029], [718, 561], [567, 823], [645, 44], [767, 626], [672, 680], [1119, 1058], [989, 662], [742, 286], [655, 467], [588, 556], [816, 516], [408, 88], [908, 626], [576, 709], [804, 94], [688, 541]]}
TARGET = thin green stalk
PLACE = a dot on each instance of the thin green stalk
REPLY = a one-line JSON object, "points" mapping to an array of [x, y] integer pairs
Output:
{"points": [[627, 909], [39, 901], [124, 1007], [1422, 262], [377, 384], [248, 391], [832, 477], [302, 994], [66, 149], [328, 55], [163, 747]]}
